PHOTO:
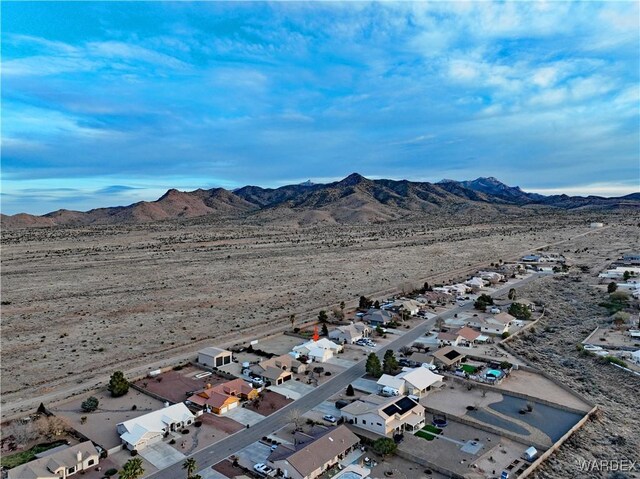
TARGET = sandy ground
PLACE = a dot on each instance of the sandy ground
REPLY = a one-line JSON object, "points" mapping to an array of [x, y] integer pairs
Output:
{"points": [[572, 313], [81, 302]]}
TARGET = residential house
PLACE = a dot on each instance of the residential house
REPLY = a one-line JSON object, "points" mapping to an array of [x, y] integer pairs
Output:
{"points": [[475, 283], [448, 338], [314, 453], [221, 398], [631, 258], [139, 432], [377, 317], [422, 358], [59, 463], [468, 336], [279, 369], [419, 381], [492, 276], [404, 304], [385, 416], [494, 324], [448, 356], [319, 351], [351, 333], [214, 401], [214, 357]]}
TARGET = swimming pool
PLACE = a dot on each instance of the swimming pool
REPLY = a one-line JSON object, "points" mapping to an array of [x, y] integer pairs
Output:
{"points": [[493, 373]]}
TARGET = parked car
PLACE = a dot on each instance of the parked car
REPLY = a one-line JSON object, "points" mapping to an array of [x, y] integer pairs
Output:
{"points": [[404, 362], [263, 469], [329, 418]]}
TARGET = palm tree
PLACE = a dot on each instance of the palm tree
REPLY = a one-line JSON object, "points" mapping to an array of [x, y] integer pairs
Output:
{"points": [[132, 469], [190, 466]]}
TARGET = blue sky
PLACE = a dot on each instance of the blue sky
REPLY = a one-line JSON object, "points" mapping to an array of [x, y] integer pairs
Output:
{"points": [[107, 103]]}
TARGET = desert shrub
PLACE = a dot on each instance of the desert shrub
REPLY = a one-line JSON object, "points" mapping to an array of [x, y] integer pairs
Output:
{"points": [[110, 472], [90, 404]]}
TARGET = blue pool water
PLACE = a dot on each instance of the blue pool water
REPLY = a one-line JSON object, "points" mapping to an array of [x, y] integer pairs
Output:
{"points": [[496, 373]]}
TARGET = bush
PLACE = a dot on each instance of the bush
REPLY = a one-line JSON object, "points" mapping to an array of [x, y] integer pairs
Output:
{"points": [[134, 453], [197, 423], [110, 472], [505, 335], [90, 404], [328, 373]]}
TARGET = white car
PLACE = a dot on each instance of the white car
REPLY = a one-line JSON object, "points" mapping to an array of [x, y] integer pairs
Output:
{"points": [[263, 469], [329, 418]]}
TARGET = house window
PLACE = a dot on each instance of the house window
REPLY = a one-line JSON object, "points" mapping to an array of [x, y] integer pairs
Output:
{"points": [[379, 424], [90, 462], [71, 470], [364, 422]]}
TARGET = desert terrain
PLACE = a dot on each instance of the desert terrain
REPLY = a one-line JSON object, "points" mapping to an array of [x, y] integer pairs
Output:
{"points": [[81, 302], [572, 312]]}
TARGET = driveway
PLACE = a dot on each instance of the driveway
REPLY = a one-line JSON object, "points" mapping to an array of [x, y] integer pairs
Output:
{"points": [[293, 389], [343, 363], [161, 455], [244, 416], [253, 454], [328, 407], [366, 385]]}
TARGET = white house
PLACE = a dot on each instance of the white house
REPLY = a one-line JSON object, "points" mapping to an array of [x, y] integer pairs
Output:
{"points": [[495, 324], [62, 463], [385, 416], [350, 333], [635, 357], [319, 351], [419, 381], [144, 430], [475, 283]]}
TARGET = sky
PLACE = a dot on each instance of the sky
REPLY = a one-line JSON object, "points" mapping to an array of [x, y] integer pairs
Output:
{"points": [[108, 103]]}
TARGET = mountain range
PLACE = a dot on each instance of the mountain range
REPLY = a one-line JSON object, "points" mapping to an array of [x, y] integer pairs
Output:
{"points": [[352, 200]]}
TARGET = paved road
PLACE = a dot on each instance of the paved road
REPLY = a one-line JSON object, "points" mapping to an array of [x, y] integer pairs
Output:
{"points": [[224, 448]]}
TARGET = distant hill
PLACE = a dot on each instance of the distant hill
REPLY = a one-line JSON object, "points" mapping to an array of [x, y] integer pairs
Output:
{"points": [[354, 199]]}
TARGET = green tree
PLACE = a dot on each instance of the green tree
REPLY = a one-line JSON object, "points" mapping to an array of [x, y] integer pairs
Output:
{"points": [[385, 446], [379, 330], [376, 304], [364, 303], [190, 466], [611, 287], [350, 391], [132, 469], [118, 384], [90, 404], [322, 316], [520, 311], [483, 301], [389, 363], [512, 294], [324, 331], [373, 367], [626, 275]]}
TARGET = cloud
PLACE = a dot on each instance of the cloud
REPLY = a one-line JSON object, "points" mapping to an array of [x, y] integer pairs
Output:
{"points": [[259, 93]]}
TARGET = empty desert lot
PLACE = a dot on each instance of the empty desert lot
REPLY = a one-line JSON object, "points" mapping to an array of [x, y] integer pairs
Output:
{"points": [[83, 301]]}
